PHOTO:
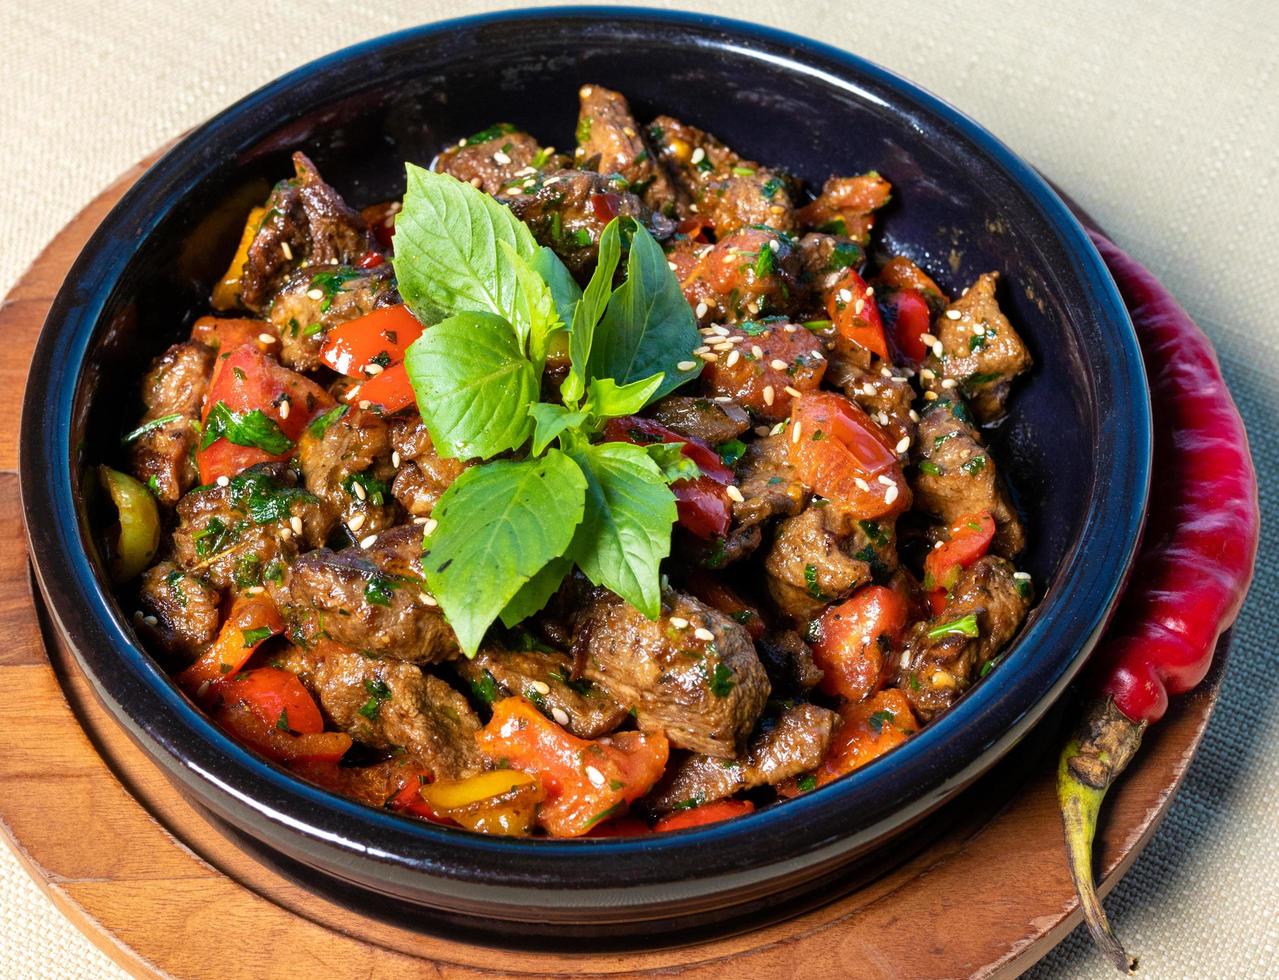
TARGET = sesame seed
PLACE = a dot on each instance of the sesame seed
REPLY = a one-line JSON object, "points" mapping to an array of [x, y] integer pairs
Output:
{"points": [[137, 615], [769, 394], [430, 525], [367, 543], [777, 364], [476, 182], [420, 520], [898, 378], [937, 348], [560, 716], [793, 392], [679, 622], [395, 459], [858, 307], [707, 331], [757, 352], [295, 522], [885, 481], [285, 534], [914, 415], [723, 399], [794, 432], [774, 244], [710, 357], [525, 172], [150, 620], [352, 394], [223, 481], [514, 191], [861, 484], [720, 329], [365, 403], [930, 396], [672, 266], [698, 156], [817, 355], [701, 350], [701, 310], [541, 687], [254, 590], [428, 599], [928, 339], [844, 296], [870, 290], [693, 208], [882, 418], [595, 776], [777, 209], [358, 489], [628, 131], [288, 252], [315, 294], [266, 338], [734, 494], [356, 522], [891, 494], [903, 444], [927, 374], [686, 365], [905, 659], [501, 159], [733, 357], [284, 409], [585, 91], [885, 373], [1022, 576], [790, 328], [952, 314], [949, 383], [703, 634], [868, 389], [979, 329]]}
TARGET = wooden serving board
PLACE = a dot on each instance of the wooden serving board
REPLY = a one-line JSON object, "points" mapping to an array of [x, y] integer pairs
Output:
{"points": [[144, 875]]}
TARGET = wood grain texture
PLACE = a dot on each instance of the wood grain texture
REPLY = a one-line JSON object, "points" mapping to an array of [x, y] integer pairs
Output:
{"points": [[151, 882]]}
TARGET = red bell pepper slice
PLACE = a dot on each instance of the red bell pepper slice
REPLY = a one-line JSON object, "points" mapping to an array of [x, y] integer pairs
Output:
{"points": [[968, 539], [852, 308], [277, 697], [841, 454], [380, 338], [240, 721], [252, 621], [700, 816], [909, 318], [850, 640], [391, 390]]}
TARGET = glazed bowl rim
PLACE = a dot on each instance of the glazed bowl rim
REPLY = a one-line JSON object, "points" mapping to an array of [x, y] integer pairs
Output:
{"points": [[988, 719]]}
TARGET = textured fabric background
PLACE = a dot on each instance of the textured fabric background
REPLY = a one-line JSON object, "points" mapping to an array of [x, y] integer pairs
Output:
{"points": [[1161, 118]]}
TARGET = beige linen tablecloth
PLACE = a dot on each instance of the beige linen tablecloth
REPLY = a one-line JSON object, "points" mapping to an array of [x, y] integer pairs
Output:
{"points": [[1160, 118]]}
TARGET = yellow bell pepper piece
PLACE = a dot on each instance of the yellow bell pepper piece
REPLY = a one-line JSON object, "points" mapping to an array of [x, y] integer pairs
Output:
{"points": [[227, 292], [139, 518]]}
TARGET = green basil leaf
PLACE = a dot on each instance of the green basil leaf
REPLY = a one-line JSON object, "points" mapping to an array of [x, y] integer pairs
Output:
{"points": [[626, 528], [536, 316], [473, 385], [648, 327], [499, 525], [549, 421], [448, 257], [605, 398], [255, 429], [565, 292], [670, 459], [536, 592], [587, 314]]}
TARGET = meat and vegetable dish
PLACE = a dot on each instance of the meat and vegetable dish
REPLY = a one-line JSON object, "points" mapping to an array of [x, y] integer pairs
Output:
{"points": [[607, 492]]}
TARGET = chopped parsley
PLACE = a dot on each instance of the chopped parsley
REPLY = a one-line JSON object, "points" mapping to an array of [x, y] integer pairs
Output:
{"points": [[378, 693], [964, 626], [989, 665], [770, 188], [929, 467], [485, 687], [879, 719], [248, 571], [332, 283], [282, 723], [730, 452], [213, 538], [693, 801], [374, 489], [974, 465], [378, 591], [810, 580], [320, 425], [255, 636], [844, 255], [174, 582], [264, 498], [722, 680], [875, 532], [254, 429], [146, 427], [807, 783]]}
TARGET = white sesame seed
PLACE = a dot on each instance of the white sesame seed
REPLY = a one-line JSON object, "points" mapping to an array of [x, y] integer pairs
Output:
{"points": [[150, 620], [914, 415], [885, 373], [679, 622], [315, 294], [903, 444], [898, 378], [701, 350], [793, 392], [698, 156], [891, 494], [769, 394], [701, 310], [757, 352], [295, 522], [861, 484], [395, 459], [288, 252], [882, 418], [672, 266], [428, 599], [560, 716], [525, 172], [733, 357], [223, 481], [514, 191], [937, 349], [1022, 576], [703, 634], [720, 329], [905, 659], [501, 159], [686, 365], [869, 390], [844, 296], [137, 615], [734, 494], [541, 687], [372, 370], [870, 290], [928, 339], [794, 432], [285, 534], [358, 489], [927, 374], [585, 91], [430, 526], [254, 590], [777, 364], [356, 522], [979, 329], [817, 355], [476, 182], [365, 403], [284, 409], [693, 208], [949, 383], [710, 357], [266, 338], [790, 328], [930, 396], [723, 399], [952, 314], [367, 543], [858, 307], [886, 481], [420, 520], [774, 244], [595, 776]]}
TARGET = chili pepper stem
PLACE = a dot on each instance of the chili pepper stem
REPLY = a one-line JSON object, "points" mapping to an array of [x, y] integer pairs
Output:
{"points": [[1090, 762]]}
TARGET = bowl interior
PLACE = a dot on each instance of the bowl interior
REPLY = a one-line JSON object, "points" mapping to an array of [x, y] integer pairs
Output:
{"points": [[1075, 447]]}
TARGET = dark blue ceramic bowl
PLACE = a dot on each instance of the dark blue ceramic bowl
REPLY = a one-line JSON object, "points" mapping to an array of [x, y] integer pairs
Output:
{"points": [[1077, 446]]}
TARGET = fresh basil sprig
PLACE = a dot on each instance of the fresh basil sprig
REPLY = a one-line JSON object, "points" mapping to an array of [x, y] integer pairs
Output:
{"points": [[508, 531], [255, 429]]}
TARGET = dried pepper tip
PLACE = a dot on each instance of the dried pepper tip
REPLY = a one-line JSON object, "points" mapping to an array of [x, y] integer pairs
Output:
{"points": [[1091, 761]]}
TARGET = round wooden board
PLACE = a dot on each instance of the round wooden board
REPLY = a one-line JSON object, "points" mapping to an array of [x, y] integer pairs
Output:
{"points": [[151, 882]]}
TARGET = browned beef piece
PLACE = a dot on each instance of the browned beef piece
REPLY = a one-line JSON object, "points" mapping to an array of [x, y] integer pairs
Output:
{"points": [[885, 396], [569, 209], [981, 352], [956, 477], [610, 140], [389, 704], [185, 609], [728, 191], [312, 301], [789, 663], [545, 678], [812, 562], [768, 482], [711, 421], [823, 260], [369, 598], [421, 475], [692, 673], [347, 464], [940, 661], [306, 222], [846, 206], [788, 745], [750, 273], [758, 365], [235, 535], [495, 159], [174, 385]]}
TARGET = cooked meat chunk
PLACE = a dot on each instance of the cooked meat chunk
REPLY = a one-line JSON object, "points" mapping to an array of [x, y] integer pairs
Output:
{"points": [[713, 422], [823, 260], [789, 663], [788, 745], [692, 673], [941, 660], [982, 351], [306, 223], [235, 535], [957, 477], [847, 206], [751, 273], [758, 362], [174, 385], [186, 609], [729, 192], [545, 678], [422, 476], [493, 160], [347, 464], [310, 302], [819, 557], [389, 704], [370, 598], [767, 482], [609, 140], [569, 209], [884, 396]]}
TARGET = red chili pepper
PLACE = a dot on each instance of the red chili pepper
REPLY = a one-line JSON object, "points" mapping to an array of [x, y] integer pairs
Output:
{"points": [[1190, 576]]}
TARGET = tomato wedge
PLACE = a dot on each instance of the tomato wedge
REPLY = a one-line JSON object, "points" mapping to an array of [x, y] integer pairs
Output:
{"points": [[967, 540], [853, 637], [868, 729], [379, 338], [225, 334], [700, 816], [852, 308], [277, 697], [839, 453], [253, 620], [909, 318]]}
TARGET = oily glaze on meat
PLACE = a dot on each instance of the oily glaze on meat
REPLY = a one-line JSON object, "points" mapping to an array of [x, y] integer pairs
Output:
{"points": [[851, 578]]}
